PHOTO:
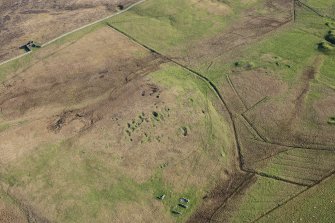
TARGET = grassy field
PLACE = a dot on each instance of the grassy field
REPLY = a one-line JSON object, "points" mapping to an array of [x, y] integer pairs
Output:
{"points": [[314, 205], [319, 3], [174, 25], [301, 166], [255, 201]]}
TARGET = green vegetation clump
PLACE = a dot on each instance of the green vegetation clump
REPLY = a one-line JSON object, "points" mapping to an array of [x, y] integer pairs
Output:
{"points": [[3, 127], [331, 120], [330, 25], [325, 46], [184, 130], [330, 37], [328, 44], [244, 64]]}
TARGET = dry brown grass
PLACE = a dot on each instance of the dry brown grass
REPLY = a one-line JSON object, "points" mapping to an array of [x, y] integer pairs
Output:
{"points": [[88, 95], [22, 21]]}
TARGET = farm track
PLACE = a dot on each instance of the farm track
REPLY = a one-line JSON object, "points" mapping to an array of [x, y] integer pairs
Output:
{"points": [[250, 173]]}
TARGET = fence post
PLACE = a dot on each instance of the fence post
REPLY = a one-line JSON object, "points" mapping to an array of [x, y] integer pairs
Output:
{"points": [[294, 13]]}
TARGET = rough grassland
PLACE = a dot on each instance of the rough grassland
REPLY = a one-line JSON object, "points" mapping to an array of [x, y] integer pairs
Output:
{"points": [[128, 126], [255, 201], [74, 181], [314, 205], [172, 25]]}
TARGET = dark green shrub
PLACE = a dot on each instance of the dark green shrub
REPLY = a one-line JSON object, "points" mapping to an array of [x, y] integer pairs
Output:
{"points": [[325, 46], [244, 64], [330, 37], [331, 120]]}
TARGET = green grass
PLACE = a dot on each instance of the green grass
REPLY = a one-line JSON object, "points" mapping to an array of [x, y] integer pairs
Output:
{"points": [[299, 165], [327, 74], [165, 25], [294, 46], [14, 65], [172, 25], [202, 99], [319, 3], [315, 205], [4, 127], [261, 197], [291, 49], [171, 200], [216, 137], [58, 174]]}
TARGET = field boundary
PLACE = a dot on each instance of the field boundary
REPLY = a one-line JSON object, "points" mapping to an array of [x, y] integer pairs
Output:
{"points": [[236, 92], [314, 10], [15, 58], [75, 30], [295, 196]]}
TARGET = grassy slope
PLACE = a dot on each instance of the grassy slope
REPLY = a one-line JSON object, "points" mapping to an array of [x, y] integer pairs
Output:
{"points": [[171, 25], [314, 205], [320, 3], [262, 196], [78, 185]]}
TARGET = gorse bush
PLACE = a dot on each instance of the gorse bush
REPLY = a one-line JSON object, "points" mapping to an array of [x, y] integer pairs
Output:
{"points": [[326, 46], [330, 37]]}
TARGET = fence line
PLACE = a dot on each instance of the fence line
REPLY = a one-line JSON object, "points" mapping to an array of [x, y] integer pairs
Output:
{"points": [[17, 57]]}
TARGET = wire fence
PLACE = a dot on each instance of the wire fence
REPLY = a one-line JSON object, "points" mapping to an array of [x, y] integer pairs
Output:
{"points": [[325, 12]]}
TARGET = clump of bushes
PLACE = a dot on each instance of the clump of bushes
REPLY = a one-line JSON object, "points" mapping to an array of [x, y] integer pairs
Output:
{"points": [[330, 37], [184, 130], [328, 45], [325, 46], [244, 64], [331, 120], [330, 25]]}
